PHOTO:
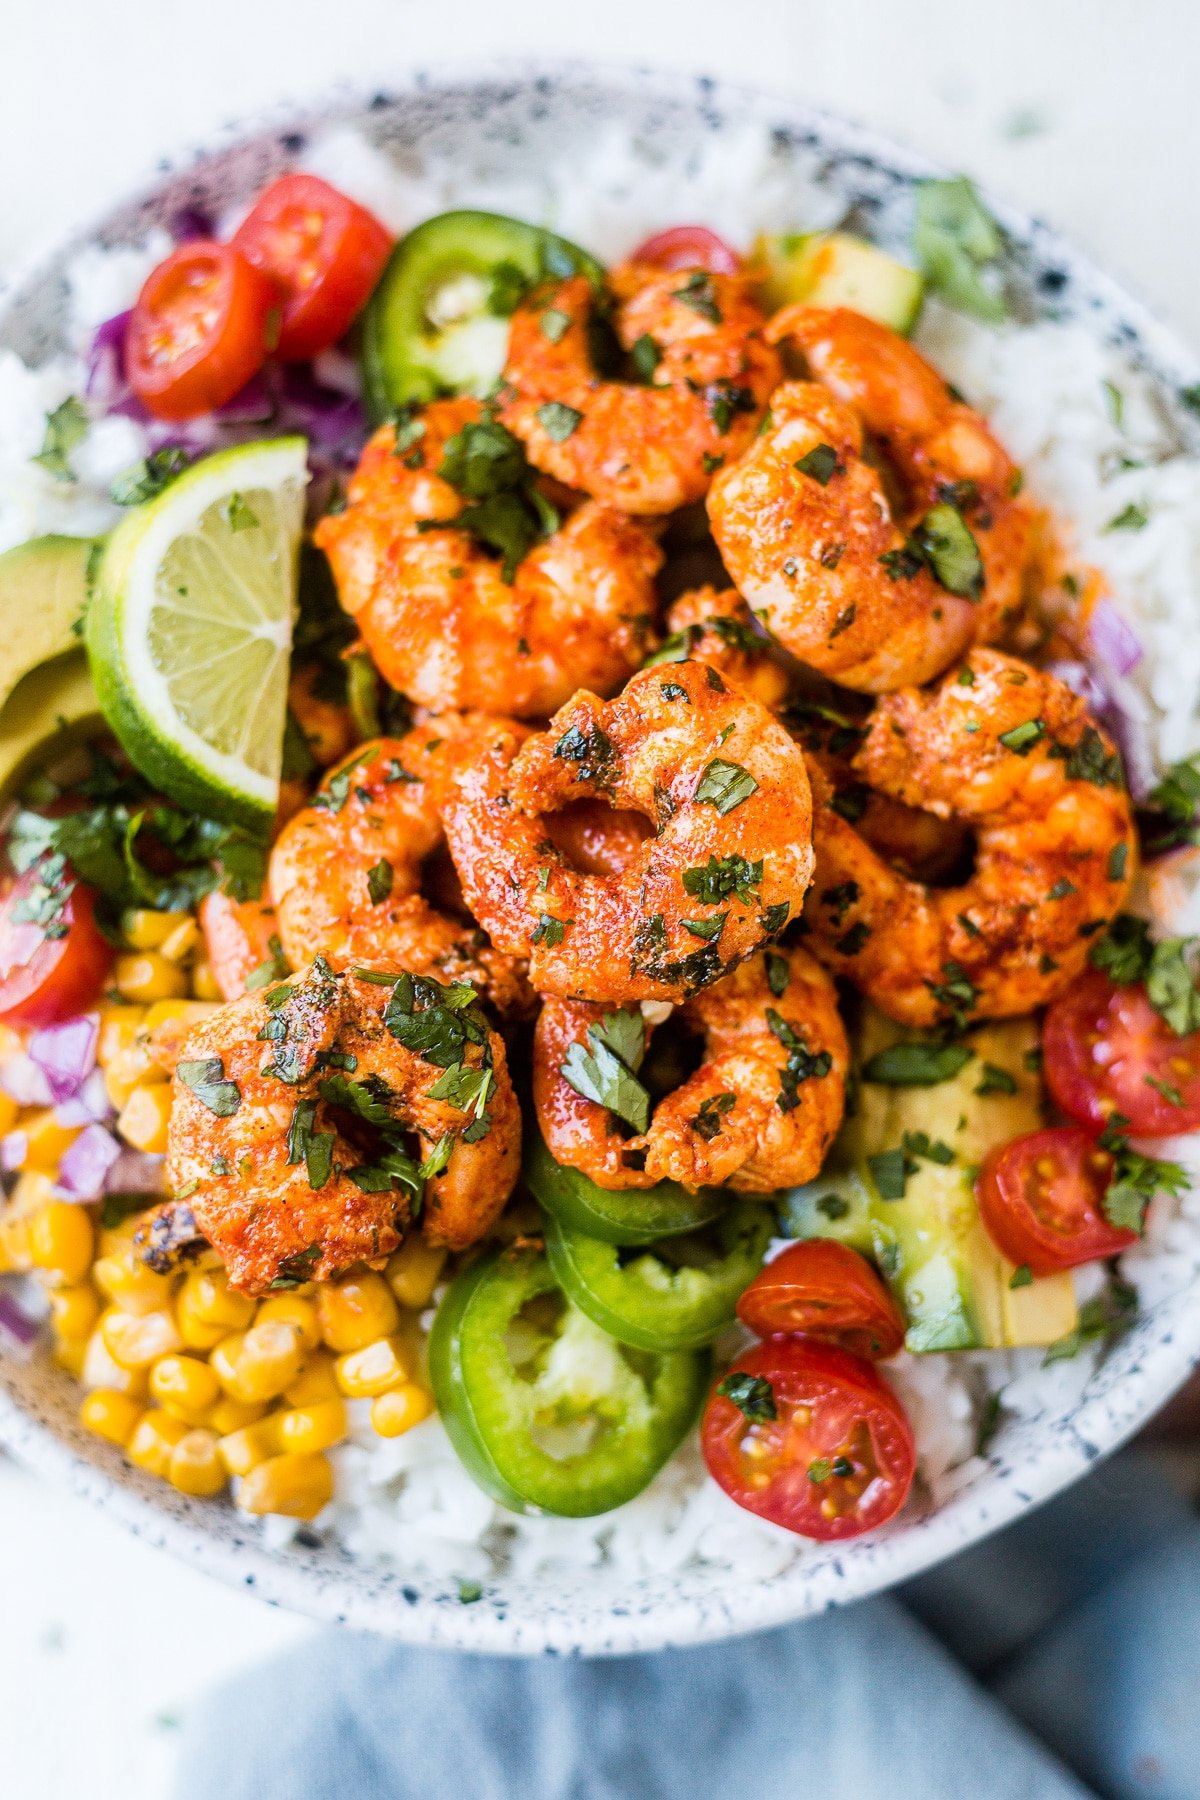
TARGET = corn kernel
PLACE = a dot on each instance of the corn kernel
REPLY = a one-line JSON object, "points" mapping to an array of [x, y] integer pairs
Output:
{"points": [[125, 1280], [182, 942], [70, 1354], [45, 1140], [356, 1311], [14, 1244], [9, 1111], [205, 985], [195, 1465], [295, 1484], [145, 1116], [260, 1364], [100, 1371], [135, 1340], [292, 1310], [243, 1450], [152, 1440], [119, 1028], [311, 1428], [146, 930], [316, 1381], [185, 1387], [110, 1415], [413, 1271], [32, 1192], [61, 1241], [128, 1069], [362, 1374], [74, 1310], [178, 1013], [400, 1409], [233, 1415], [147, 975], [197, 1334], [212, 1301]]}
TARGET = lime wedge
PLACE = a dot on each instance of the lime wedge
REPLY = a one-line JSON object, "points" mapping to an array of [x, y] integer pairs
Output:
{"points": [[190, 627]]}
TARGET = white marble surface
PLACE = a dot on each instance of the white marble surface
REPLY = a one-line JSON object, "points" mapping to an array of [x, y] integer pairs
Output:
{"points": [[1081, 110]]}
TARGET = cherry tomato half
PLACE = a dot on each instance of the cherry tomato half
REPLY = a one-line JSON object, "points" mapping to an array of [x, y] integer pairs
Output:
{"points": [[822, 1289], [1107, 1051], [202, 326], [689, 247], [836, 1459], [1041, 1200], [324, 253], [53, 960]]}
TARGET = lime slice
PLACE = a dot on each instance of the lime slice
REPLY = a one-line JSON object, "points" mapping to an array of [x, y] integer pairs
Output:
{"points": [[190, 627]]}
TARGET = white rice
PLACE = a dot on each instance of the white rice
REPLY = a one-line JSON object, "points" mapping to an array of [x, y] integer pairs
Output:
{"points": [[1048, 390]]}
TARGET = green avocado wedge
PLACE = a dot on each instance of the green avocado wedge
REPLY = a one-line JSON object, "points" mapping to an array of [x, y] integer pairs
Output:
{"points": [[43, 593], [54, 705]]}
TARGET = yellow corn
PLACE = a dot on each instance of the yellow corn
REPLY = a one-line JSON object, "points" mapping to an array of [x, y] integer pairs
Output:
{"points": [[74, 1310], [212, 1301], [100, 1371], [196, 1333], [182, 942], [413, 1271], [146, 930], [45, 1140], [135, 1340], [311, 1428], [261, 1363], [362, 1374], [185, 1387], [127, 1070], [70, 1354], [400, 1409], [32, 1192], [233, 1415], [182, 1013], [356, 1311], [195, 1465], [152, 1440], [205, 985], [316, 1381], [243, 1450], [119, 1028], [9, 1111], [124, 1279], [297, 1485], [61, 1241], [147, 975], [110, 1415], [145, 1115], [292, 1310]]}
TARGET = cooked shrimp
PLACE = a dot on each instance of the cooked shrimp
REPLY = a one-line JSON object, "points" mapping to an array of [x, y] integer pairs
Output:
{"points": [[291, 1109], [345, 873], [759, 1113], [326, 725], [726, 793], [807, 531], [647, 446], [240, 936], [432, 601], [716, 626], [1011, 752]]}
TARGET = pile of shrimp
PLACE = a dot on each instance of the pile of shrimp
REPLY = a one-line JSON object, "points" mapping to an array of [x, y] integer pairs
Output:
{"points": [[620, 820]]}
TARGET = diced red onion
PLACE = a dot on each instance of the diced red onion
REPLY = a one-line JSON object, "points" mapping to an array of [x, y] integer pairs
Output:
{"points": [[252, 405], [66, 1053], [18, 1326], [25, 1081], [135, 1172], [13, 1148], [326, 415], [84, 1166], [1111, 638], [189, 223], [106, 380], [1082, 681]]}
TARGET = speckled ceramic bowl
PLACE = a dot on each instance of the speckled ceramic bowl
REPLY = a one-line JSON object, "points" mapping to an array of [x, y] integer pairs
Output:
{"points": [[509, 122]]}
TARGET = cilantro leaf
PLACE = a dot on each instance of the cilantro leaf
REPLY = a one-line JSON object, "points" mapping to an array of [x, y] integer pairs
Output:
{"points": [[725, 785], [207, 1080], [955, 240], [753, 1396], [920, 1063]]}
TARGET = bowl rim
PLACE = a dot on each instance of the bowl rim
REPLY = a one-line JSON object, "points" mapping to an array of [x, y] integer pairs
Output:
{"points": [[391, 1603]]}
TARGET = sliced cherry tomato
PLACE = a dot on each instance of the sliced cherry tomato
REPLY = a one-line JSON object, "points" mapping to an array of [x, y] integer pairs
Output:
{"points": [[822, 1289], [1107, 1051], [689, 247], [1041, 1199], [53, 960], [202, 326], [323, 251], [819, 1443]]}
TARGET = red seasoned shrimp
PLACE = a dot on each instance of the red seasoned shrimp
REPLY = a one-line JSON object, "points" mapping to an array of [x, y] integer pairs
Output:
{"points": [[650, 445], [716, 626], [874, 597], [445, 619], [726, 792], [1010, 752], [345, 873], [295, 1168], [759, 1113], [240, 936]]}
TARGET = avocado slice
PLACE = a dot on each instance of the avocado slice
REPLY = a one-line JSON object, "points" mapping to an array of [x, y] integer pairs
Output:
{"points": [[53, 704], [43, 590], [952, 1282], [836, 1205], [833, 268]]}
